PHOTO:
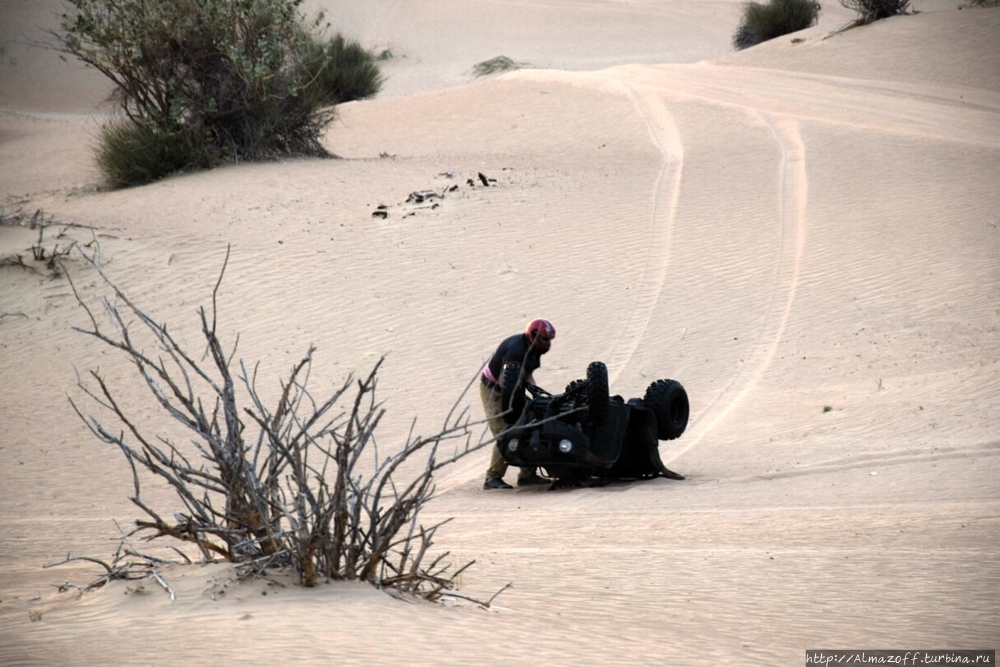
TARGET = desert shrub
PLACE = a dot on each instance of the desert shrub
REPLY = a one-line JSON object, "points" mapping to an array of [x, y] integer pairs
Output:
{"points": [[745, 37], [242, 79], [494, 65], [762, 22], [135, 152], [341, 71], [297, 482], [875, 10]]}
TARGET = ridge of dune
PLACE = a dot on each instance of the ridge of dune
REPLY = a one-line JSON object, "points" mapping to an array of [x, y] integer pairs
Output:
{"points": [[906, 53]]}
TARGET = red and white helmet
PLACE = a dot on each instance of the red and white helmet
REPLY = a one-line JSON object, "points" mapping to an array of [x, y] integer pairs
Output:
{"points": [[540, 332]]}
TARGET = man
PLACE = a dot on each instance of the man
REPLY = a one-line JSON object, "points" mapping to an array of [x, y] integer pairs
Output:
{"points": [[526, 349]]}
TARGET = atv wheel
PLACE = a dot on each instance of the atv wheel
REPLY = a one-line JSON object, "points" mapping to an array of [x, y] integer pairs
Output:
{"points": [[512, 398], [669, 402], [597, 392]]}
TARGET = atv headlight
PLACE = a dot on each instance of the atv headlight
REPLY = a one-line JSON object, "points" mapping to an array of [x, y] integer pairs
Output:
{"points": [[512, 445], [565, 446]]}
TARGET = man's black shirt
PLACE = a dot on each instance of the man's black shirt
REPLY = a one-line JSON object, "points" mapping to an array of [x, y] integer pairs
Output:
{"points": [[516, 348]]}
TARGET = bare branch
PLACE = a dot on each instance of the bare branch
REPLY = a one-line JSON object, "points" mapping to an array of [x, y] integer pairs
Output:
{"points": [[70, 559]]}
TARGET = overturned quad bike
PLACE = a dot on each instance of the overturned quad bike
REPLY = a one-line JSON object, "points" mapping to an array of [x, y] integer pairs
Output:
{"points": [[584, 433]]}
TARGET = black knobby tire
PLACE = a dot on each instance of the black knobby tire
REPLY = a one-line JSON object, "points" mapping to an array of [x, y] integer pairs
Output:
{"points": [[669, 402], [512, 398], [597, 392]]}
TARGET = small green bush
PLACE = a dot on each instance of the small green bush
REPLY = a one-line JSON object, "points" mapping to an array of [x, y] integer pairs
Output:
{"points": [[197, 81], [494, 65], [341, 70], [778, 17], [875, 10], [132, 153]]}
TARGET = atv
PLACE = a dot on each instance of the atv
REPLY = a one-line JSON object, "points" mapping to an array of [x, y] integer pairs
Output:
{"points": [[583, 433]]}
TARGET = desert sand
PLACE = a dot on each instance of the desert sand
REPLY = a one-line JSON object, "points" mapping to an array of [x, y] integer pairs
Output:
{"points": [[806, 234]]}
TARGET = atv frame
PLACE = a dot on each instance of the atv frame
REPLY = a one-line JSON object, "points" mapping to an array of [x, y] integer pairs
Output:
{"points": [[583, 433]]}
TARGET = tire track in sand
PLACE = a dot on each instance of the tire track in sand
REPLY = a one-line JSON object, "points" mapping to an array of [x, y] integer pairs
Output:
{"points": [[665, 135], [793, 200]]}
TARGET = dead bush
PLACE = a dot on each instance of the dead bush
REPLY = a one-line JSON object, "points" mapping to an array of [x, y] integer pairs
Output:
{"points": [[296, 483]]}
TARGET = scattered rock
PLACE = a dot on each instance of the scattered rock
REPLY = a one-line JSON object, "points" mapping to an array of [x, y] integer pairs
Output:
{"points": [[422, 196], [428, 199]]}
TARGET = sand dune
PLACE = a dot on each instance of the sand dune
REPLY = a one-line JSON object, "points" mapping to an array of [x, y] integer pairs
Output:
{"points": [[805, 235]]}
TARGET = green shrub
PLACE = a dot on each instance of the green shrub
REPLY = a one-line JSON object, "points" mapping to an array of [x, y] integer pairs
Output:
{"points": [[494, 65], [131, 153], [745, 37], [875, 10], [341, 71], [778, 17], [201, 80]]}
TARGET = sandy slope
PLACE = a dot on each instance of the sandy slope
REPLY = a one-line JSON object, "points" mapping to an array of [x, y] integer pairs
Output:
{"points": [[805, 235]]}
